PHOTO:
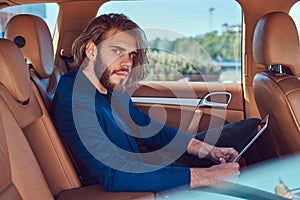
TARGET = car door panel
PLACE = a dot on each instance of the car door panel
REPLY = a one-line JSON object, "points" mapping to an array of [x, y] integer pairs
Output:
{"points": [[191, 106]]}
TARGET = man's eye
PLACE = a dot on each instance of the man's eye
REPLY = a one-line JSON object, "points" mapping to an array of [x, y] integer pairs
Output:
{"points": [[132, 55], [117, 51]]}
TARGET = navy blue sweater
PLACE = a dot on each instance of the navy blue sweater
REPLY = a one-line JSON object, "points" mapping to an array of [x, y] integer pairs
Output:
{"points": [[102, 136]]}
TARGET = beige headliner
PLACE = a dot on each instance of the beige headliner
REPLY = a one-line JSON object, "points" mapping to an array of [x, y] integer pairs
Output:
{"points": [[256, 4]]}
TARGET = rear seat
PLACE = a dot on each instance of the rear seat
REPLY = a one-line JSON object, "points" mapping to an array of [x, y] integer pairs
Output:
{"points": [[23, 100]]}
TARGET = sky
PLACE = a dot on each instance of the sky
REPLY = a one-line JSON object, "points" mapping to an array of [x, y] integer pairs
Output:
{"points": [[188, 17], [51, 10], [295, 13]]}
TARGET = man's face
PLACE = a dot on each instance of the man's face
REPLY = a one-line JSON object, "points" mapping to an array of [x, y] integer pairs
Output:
{"points": [[115, 61]]}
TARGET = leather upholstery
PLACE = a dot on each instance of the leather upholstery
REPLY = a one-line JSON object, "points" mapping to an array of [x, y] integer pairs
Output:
{"points": [[16, 83], [35, 121], [38, 49], [21, 176], [276, 42], [25, 175]]}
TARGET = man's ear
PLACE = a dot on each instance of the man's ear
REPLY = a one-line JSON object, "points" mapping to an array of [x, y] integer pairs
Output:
{"points": [[91, 51]]}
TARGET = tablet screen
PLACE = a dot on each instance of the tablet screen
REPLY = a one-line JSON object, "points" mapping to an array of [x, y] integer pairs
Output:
{"points": [[262, 126]]}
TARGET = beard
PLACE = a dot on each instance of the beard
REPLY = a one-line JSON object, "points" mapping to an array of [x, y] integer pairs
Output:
{"points": [[103, 74]]}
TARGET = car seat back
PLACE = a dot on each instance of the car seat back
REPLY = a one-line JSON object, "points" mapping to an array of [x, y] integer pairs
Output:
{"points": [[277, 89]]}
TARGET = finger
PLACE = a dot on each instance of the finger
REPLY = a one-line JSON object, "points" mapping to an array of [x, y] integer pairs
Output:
{"points": [[231, 151], [215, 158], [222, 160], [223, 153], [233, 156]]}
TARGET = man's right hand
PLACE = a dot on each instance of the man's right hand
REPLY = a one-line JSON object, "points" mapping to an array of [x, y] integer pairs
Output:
{"points": [[214, 175]]}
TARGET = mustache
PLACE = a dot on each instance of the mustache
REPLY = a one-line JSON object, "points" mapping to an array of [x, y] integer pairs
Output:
{"points": [[120, 70]]}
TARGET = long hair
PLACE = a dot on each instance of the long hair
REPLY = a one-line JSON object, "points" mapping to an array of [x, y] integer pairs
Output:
{"points": [[96, 32]]}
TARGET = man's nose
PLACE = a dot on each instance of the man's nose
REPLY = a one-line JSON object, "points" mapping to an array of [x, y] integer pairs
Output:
{"points": [[126, 61]]}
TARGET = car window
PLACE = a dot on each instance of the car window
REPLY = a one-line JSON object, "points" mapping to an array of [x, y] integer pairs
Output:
{"points": [[295, 14], [198, 40], [47, 11]]}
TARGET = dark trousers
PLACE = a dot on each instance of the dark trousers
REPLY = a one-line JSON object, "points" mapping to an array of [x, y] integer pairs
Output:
{"points": [[237, 135]]}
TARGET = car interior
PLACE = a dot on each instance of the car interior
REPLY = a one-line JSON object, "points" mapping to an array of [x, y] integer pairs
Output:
{"points": [[280, 84], [35, 163], [32, 36]]}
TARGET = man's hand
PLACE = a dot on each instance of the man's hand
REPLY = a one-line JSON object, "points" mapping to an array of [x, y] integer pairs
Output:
{"points": [[214, 175], [216, 154], [222, 155]]}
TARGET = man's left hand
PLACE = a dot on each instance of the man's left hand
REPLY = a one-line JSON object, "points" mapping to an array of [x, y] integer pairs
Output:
{"points": [[222, 154]]}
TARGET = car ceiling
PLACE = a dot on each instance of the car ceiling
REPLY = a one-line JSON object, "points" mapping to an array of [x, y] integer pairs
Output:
{"points": [[253, 3]]}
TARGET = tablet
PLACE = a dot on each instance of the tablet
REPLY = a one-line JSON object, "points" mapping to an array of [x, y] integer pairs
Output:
{"points": [[262, 126]]}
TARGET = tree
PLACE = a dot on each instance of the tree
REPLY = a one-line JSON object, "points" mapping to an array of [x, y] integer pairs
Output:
{"points": [[192, 58]]}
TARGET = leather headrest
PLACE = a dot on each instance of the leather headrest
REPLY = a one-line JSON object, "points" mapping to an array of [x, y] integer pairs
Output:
{"points": [[276, 42], [14, 74], [32, 36]]}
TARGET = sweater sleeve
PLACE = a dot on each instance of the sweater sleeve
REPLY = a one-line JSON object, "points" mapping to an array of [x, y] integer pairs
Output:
{"points": [[156, 181], [164, 134], [112, 167]]}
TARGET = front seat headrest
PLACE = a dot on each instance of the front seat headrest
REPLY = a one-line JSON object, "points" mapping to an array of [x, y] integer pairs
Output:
{"points": [[14, 74], [276, 42], [31, 34]]}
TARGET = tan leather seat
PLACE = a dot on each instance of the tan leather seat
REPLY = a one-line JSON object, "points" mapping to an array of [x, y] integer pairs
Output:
{"points": [[31, 117], [277, 90], [32, 35], [21, 96], [21, 176]]}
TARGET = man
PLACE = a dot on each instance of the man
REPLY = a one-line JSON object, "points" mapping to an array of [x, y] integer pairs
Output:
{"points": [[116, 144]]}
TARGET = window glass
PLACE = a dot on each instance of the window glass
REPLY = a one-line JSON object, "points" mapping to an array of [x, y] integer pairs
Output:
{"points": [[193, 40], [295, 14], [48, 12]]}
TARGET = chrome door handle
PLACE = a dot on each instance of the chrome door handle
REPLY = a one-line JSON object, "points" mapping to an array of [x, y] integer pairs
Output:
{"points": [[210, 101]]}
